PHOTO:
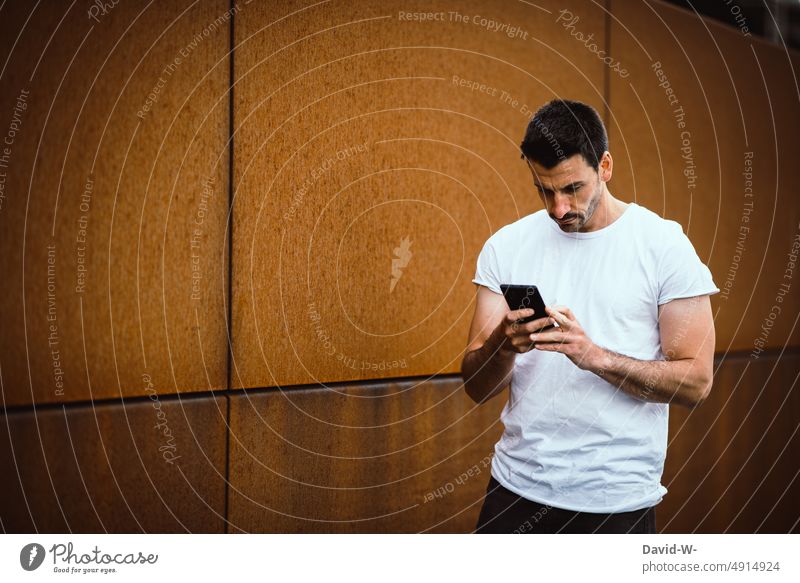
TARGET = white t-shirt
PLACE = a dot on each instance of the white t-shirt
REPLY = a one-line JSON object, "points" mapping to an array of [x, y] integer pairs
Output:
{"points": [[571, 439]]}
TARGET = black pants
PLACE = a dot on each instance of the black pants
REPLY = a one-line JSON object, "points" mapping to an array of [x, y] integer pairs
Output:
{"points": [[504, 511]]}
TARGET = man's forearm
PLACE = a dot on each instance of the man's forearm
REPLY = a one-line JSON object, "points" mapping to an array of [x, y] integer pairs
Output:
{"points": [[660, 381], [487, 370]]}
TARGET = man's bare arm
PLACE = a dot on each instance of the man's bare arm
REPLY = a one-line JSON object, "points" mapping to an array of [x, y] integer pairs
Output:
{"points": [[661, 381], [487, 370], [686, 327]]}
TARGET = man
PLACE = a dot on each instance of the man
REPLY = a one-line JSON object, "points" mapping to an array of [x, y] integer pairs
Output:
{"points": [[586, 420]]}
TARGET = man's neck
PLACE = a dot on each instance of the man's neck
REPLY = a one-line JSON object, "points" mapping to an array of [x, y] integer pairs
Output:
{"points": [[609, 210]]}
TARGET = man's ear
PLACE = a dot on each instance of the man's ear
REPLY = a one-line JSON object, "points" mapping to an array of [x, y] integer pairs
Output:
{"points": [[606, 167]]}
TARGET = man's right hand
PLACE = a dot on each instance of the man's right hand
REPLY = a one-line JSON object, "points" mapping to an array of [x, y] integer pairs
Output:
{"points": [[495, 339], [513, 336]]}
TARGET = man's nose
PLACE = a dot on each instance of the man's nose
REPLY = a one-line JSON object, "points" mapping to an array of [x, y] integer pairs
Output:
{"points": [[561, 205]]}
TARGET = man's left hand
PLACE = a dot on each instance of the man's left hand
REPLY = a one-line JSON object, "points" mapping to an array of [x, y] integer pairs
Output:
{"points": [[568, 339]]}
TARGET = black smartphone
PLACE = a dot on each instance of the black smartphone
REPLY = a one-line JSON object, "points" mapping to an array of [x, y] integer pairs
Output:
{"points": [[520, 297]]}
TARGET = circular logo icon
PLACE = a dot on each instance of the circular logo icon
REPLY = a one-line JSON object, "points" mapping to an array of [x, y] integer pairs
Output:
{"points": [[31, 556]]}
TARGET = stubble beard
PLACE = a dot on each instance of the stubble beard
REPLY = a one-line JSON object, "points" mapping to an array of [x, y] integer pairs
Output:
{"points": [[585, 217]]}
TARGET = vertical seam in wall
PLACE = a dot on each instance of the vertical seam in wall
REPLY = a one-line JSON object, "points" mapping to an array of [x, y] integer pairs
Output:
{"points": [[607, 73], [229, 305], [227, 461]]}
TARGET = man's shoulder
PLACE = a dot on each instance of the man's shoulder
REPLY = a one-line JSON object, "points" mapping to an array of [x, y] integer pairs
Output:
{"points": [[654, 224]]}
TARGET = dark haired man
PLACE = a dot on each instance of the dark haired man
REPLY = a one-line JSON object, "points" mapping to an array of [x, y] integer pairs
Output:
{"points": [[586, 420]]}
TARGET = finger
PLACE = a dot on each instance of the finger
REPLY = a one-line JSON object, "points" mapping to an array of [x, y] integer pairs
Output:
{"points": [[557, 313], [546, 346], [515, 315], [557, 336], [522, 347], [537, 325], [566, 311]]}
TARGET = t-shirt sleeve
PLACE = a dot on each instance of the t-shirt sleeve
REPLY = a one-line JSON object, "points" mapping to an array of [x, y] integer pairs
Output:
{"points": [[487, 272], [681, 273]]}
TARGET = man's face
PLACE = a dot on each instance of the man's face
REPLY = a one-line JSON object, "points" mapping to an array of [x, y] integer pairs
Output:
{"points": [[570, 191]]}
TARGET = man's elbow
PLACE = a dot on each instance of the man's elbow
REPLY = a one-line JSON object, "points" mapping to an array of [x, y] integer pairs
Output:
{"points": [[469, 386], [480, 380], [699, 393], [471, 394], [468, 380], [482, 393]]}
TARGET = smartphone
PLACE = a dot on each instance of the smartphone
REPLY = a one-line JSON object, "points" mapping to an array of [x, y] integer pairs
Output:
{"points": [[520, 297]]}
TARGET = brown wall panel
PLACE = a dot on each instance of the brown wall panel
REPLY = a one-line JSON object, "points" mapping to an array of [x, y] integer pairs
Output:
{"points": [[352, 137], [148, 466], [738, 101], [732, 464], [114, 199], [400, 457]]}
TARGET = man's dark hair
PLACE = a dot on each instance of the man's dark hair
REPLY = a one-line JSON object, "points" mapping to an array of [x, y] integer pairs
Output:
{"points": [[563, 128]]}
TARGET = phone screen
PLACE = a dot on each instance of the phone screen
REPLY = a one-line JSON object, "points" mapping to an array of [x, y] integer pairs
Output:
{"points": [[519, 297]]}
